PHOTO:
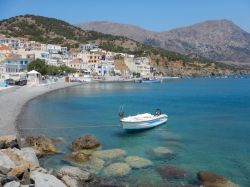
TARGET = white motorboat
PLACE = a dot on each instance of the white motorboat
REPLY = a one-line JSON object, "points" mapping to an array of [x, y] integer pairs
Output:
{"points": [[143, 121], [150, 80]]}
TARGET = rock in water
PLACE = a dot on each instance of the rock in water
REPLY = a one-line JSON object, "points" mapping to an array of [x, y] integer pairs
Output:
{"points": [[74, 173], [43, 145], [171, 172], [71, 182], [45, 180], [85, 142], [209, 179], [137, 162], [98, 181], [162, 152], [110, 154], [118, 169], [77, 157], [94, 165]]}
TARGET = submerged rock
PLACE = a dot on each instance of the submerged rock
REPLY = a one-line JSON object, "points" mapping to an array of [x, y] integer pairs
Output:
{"points": [[74, 173], [159, 185], [42, 180], [118, 169], [110, 154], [137, 162], [209, 179], [77, 157], [176, 144], [105, 182], [162, 152], [70, 182], [94, 165], [171, 172], [85, 142], [42, 145]]}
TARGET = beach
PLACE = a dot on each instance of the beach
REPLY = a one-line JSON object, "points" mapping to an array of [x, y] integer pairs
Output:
{"points": [[13, 99]]}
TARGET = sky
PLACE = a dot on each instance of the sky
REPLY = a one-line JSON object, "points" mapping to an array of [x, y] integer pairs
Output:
{"points": [[155, 15]]}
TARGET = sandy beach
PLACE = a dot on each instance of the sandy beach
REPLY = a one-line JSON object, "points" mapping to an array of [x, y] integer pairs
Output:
{"points": [[13, 99]]}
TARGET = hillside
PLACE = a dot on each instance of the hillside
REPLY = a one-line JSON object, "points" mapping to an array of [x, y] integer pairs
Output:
{"points": [[50, 30], [219, 40]]}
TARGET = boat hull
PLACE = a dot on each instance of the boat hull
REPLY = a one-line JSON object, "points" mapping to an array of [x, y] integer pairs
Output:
{"points": [[151, 81], [144, 124]]}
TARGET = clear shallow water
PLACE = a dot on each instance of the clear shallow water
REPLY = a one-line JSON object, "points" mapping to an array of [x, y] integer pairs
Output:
{"points": [[209, 119]]}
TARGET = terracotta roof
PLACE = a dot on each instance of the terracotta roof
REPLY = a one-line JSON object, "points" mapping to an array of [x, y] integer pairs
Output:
{"points": [[76, 60], [8, 55], [4, 47]]}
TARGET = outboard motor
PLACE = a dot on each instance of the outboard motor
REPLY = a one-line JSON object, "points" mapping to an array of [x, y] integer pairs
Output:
{"points": [[157, 112], [121, 114]]}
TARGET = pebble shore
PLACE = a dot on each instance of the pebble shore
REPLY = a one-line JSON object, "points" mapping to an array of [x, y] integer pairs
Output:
{"points": [[12, 101]]}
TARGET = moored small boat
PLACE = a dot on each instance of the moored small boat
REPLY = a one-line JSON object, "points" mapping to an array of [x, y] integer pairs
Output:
{"points": [[150, 80], [143, 121]]}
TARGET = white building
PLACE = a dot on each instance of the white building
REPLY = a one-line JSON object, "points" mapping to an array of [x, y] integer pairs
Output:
{"points": [[33, 54], [104, 67], [53, 49], [88, 47], [11, 42], [77, 63], [54, 59], [64, 50], [88, 57], [138, 65], [13, 65]]}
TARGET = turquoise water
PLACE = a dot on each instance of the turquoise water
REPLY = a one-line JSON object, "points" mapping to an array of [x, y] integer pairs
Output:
{"points": [[208, 127]]}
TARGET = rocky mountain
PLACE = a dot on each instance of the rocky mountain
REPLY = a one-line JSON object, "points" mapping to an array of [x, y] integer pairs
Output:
{"points": [[118, 29], [219, 40], [50, 30]]}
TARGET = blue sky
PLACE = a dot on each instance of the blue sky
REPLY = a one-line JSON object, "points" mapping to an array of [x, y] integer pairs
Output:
{"points": [[156, 15]]}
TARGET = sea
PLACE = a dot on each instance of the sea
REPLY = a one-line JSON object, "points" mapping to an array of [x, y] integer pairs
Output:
{"points": [[208, 128]]}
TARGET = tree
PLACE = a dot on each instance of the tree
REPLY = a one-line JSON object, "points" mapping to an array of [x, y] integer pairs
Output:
{"points": [[38, 65], [45, 69]]}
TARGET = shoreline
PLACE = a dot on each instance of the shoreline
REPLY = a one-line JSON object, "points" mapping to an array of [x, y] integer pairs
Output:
{"points": [[16, 99]]}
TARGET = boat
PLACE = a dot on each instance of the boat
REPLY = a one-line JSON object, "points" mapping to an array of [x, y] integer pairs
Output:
{"points": [[150, 80], [142, 121]]}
